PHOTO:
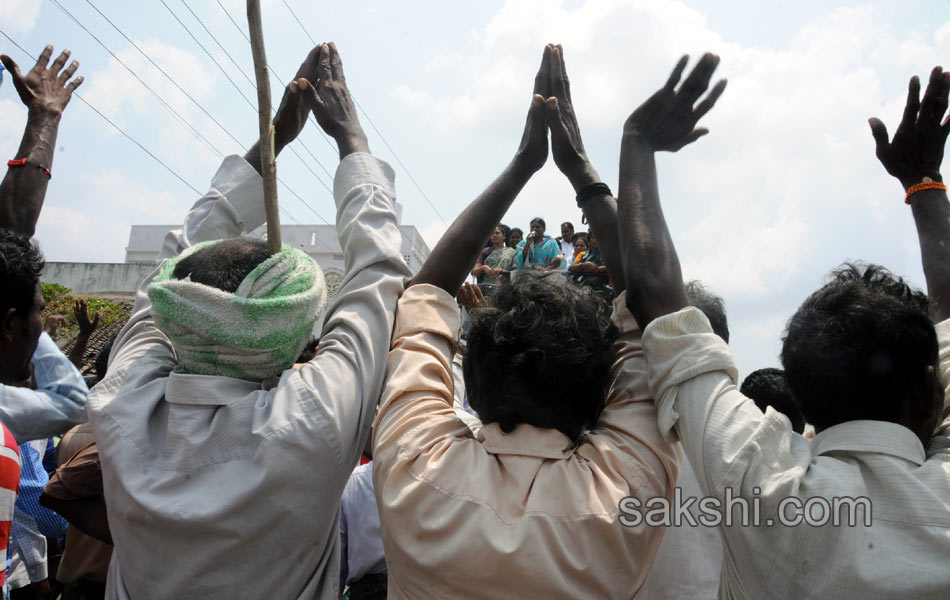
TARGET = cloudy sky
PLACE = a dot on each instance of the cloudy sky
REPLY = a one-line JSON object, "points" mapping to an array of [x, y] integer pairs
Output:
{"points": [[784, 188]]}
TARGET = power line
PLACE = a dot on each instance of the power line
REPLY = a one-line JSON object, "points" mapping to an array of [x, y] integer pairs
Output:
{"points": [[164, 104], [109, 121], [373, 125]]}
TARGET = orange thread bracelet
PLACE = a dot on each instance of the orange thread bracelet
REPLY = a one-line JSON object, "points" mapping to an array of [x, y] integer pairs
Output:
{"points": [[926, 184]]}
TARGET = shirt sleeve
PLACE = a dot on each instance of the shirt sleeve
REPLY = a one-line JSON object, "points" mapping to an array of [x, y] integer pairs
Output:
{"points": [[728, 440], [627, 427], [79, 478], [32, 481], [346, 376], [58, 403], [941, 439], [415, 412], [234, 205]]}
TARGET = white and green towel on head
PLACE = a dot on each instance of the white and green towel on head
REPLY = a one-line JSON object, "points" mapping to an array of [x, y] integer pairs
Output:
{"points": [[254, 333]]}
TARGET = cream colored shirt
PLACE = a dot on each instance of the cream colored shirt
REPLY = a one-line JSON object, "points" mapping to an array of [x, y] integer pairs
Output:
{"points": [[905, 553], [525, 514]]}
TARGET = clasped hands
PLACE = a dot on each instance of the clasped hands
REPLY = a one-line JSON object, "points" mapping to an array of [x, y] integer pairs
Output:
{"points": [[666, 121]]}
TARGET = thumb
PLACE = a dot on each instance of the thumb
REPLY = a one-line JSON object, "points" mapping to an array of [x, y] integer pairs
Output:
{"points": [[879, 132], [553, 118]]}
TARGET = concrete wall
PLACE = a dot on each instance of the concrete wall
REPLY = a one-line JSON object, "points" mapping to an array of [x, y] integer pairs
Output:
{"points": [[97, 277]]}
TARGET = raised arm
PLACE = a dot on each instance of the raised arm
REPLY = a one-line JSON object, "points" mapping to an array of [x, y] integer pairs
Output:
{"points": [[454, 255], [914, 157], [666, 121], [332, 104], [593, 196], [45, 92]]}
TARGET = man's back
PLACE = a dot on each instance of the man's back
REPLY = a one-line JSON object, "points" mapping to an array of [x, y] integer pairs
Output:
{"points": [[229, 487]]}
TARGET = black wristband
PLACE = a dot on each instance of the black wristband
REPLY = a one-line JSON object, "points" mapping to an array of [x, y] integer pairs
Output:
{"points": [[592, 190]]}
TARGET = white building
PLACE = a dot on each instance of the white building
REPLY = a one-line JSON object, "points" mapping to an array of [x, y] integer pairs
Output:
{"points": [[319, 241]]}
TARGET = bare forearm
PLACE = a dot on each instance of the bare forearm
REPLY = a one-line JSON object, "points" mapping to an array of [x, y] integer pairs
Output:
{"points": [[79, 350], [24, 188], [601, 213], [651, 268], [454, 255], [932, 216]]}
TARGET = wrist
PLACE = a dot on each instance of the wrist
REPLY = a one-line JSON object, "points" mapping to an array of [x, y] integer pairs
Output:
{"points": [[583, 177], [907, 182], [351, 142]]}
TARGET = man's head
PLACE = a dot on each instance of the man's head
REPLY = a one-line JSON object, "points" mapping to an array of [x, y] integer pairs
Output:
{"points": [[21, 302], [712, 306], [863, 347], [230, 308], [537, 228], [767, 387], [516, 370], [567, 230]]}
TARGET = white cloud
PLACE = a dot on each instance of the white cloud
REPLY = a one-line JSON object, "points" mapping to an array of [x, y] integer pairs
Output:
{"points": [[19, 16]]}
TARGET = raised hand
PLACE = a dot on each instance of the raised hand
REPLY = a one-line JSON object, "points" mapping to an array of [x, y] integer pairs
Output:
{"points": [[293, 110], [917, 149], [566, 144], [533, 151], [45, 89], [333, 105], [667, 120], [86, 326], [52, 323], [471, 297]]}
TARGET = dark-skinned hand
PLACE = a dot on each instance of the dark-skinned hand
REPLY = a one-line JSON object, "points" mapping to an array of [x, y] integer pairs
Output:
{"points": [[567, 146], [533, 150], [332, 103], [45, 89], [471, 297], [667, 120], [293, 110], [86, 326], [917, 148]]}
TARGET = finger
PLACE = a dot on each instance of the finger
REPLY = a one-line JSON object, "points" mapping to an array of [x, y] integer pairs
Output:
{"points": [[310, 93], [45, 55], [336, 65], [697, 82], [543, 78], [706, 105], [693, 136], [558, 87], [308, 68], [60, 61], [66, 74], [323, 69], [879, 133], [566, 79], [929, 101], [676, 74], [10, 65], [75, 83], [912, 107], [95, 319], [941, 105]]}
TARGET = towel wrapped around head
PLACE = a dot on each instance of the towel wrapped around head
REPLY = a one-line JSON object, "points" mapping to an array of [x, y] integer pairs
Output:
{"points": [[254, 333]]}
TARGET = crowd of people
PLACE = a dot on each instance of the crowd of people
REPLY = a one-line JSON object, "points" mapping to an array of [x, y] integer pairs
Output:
{"points": [[221, 451]]}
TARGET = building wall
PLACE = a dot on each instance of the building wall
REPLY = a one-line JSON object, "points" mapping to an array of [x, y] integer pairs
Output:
{"points": [[97, 277]]}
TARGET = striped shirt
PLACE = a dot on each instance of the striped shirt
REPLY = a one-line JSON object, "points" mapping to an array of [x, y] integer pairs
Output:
{"points": [[9, 483]]}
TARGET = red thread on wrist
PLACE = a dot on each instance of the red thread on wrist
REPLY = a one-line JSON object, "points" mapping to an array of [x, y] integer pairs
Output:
{"points": [[926, 185], [22, 162]]}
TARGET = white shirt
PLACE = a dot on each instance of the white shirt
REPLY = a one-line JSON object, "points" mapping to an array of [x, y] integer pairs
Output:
{"points": [[359, 526], [58, 403], [690, 558], [226, 488], [905, 553]]}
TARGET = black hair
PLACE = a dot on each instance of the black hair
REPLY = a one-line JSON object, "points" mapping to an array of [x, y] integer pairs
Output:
{"points": [[712, 306], [857, 347], [767, 387], [568, 223], [223, 265], [538, 220], [516, 369], [21, 263], [511, 231], [505, 230], [309, 351], [578, 235]]}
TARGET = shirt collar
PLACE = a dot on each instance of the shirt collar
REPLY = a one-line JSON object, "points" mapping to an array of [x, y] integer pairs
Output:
{"points": [[880, 437], [206, 390], [526, 440]]}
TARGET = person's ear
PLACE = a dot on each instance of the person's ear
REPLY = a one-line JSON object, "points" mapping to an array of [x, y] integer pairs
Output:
{"points": [[8, 325]]}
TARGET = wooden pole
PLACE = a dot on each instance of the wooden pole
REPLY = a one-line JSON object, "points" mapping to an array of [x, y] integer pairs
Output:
{"points": [[268, 166]]}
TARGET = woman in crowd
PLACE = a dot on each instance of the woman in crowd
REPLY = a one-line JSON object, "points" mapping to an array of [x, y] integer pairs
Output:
{"points": [[495, 259], [589, 270], [515, 237]]}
